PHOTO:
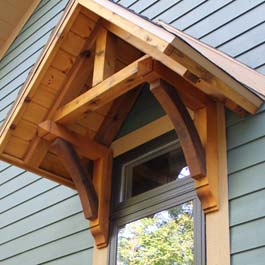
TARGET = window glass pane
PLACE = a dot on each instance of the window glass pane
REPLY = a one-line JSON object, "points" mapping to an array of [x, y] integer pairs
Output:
{"points": [[157, 171], [165, 238]]}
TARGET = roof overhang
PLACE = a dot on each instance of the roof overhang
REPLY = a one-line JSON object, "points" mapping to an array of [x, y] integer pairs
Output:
{"points": [[87, 80], [13, 16]]}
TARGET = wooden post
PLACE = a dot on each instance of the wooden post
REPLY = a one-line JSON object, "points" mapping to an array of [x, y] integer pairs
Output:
{"points": [[102, 172], [217, 223], [104, 65], [184, 126], [206, 121]]}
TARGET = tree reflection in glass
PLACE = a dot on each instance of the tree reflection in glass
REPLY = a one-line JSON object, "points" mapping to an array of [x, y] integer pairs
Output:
{"points": [[165, 238]]}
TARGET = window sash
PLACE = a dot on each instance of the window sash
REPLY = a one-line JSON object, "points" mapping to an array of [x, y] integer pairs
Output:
{"points": [[153, 201]]}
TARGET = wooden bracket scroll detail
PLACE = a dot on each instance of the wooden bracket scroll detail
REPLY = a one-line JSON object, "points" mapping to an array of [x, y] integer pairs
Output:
{"points": [[184, 126]]}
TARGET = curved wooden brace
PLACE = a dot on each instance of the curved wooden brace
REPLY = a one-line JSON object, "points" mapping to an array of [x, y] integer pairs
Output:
{"points": [[69, 158], [184, 126], [95, 197]]}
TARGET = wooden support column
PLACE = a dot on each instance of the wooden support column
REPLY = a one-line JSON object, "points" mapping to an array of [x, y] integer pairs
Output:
{"points": [[102, 172], [69, 158], [184, 126], [217, 223], [206, 121]]}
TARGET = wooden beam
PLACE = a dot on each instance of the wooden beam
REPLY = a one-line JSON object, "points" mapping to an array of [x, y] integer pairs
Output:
{"points": [[104, 65], [69, 158], [134, 26], [144, 134], [184, 126], [217, 223], [116, 116], [191, 95], [102, 172], [106, 91], [173, 58], [146, 48], [49, 131]]}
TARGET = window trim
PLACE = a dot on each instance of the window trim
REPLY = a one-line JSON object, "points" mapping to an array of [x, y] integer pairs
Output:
{"points": [[217, 223]]}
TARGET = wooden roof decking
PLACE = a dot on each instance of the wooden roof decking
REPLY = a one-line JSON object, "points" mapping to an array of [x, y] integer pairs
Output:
{"points": [[69, 87], [13, 15]]}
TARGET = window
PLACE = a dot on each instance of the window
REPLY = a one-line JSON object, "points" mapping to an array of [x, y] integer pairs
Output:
{"points": [[156, 216]]}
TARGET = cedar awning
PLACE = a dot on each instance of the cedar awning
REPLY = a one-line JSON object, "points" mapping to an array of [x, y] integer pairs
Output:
{"points": [[87, 80]]}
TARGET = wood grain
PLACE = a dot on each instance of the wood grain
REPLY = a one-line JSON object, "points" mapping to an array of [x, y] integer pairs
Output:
{"points": [[69, 158], [184, 126]]}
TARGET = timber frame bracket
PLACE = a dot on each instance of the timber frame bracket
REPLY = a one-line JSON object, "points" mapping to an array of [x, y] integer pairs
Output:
{"points": [[94, 192], [198, 140]]}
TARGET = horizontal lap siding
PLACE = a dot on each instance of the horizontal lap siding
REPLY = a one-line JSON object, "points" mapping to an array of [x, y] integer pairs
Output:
{"points": [[236, 28], [246, 166], [41, 222]]}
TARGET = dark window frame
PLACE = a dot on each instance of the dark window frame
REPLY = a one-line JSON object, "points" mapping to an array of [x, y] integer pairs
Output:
{"points": [[155, 200]]}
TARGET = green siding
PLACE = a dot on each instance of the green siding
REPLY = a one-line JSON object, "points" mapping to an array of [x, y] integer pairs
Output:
{"points": [[41, 222], [246, 165]]}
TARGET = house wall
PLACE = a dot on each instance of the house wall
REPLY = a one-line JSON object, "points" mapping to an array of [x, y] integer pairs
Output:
{"points": [[41, 222]]}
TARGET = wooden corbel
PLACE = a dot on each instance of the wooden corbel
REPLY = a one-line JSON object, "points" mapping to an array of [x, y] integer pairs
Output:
{"points": [[94, 193], [199, 143], [189, 139], [83, 183]]}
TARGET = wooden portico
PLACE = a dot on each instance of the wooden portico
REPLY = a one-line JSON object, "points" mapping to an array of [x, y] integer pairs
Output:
{"points": [[85, 83]]}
